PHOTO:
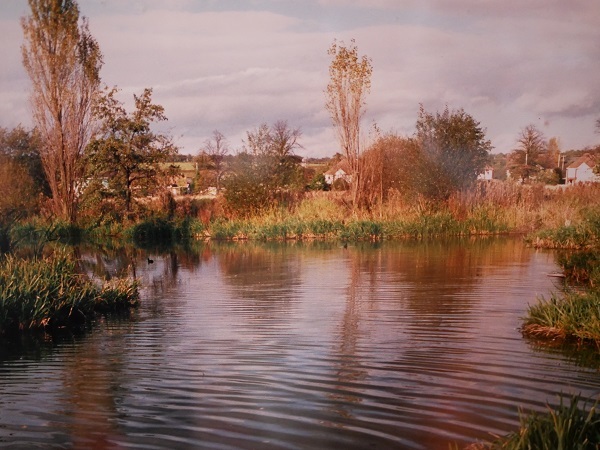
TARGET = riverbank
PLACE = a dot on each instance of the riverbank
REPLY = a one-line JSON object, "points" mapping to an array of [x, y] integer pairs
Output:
{"points": [[49, 293], [573, 313]]}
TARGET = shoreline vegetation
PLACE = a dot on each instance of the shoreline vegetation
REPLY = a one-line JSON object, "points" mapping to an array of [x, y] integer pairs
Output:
{"points": [[50, 293], [572, 426], [490, 209], [574, 313], [567, 220]]}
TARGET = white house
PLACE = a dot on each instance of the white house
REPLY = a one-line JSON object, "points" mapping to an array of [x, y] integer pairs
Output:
{"points": [[582, 170], [487, 174], [340, 170]]}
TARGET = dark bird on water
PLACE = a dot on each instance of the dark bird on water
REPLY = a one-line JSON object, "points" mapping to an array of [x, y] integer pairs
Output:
{"points": [[150, 261]]}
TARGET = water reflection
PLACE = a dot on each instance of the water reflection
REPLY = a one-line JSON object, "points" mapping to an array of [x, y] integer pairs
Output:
{"points": [[394, 345]]}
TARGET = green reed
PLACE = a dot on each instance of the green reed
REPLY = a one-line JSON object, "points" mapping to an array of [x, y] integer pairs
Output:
{"points": [[50, 293], [575, 315], [566, 427]]}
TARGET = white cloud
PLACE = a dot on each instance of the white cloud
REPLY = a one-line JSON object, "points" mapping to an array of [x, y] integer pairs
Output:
{"points": [[213, 66]]}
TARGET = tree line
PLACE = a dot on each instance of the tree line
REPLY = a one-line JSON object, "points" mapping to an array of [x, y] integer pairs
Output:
{"points": [[86, 152]]}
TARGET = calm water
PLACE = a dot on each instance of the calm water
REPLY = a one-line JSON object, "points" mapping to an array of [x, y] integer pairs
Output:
{"points": [[398, 345]]}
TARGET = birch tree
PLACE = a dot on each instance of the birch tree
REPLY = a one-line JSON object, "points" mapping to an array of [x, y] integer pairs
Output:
{"points": [[63, 62], [349, 83]]}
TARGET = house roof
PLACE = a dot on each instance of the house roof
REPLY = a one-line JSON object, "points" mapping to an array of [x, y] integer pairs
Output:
{"points": [[343, 165], [587, 159]]}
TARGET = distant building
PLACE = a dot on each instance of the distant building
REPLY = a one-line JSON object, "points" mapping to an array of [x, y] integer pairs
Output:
{"points": [[487, 174], [582, 170], [341, 170]]}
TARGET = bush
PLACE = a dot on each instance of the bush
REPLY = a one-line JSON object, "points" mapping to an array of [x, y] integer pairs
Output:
{"points": [[153, 230]]}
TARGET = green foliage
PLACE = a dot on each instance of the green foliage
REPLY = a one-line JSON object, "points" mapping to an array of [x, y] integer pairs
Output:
{"points": [[127, 157], [318, 183], [581, 266], [566, 427], [49, 292], [453, 151], [153, 230], [570, 316], [577, 313]]}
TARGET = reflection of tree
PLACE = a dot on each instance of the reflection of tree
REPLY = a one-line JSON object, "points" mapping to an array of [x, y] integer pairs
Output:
{"points": [[406, 301], [348, 367], [262, 273], [92, 382], [438, 274]]}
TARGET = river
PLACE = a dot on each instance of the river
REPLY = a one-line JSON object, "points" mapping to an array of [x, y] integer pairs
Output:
{"points": [[397, 345]]}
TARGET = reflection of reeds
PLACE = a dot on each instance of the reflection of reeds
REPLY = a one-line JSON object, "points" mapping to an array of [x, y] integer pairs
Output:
{"points": [[49, 292]]}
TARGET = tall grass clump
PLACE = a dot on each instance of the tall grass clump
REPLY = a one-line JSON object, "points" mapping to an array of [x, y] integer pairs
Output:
{"points": [[50, 293], [566, 427], [573, 316]]}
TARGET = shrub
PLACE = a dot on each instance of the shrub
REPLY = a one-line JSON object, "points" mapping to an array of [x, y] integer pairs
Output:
{"points": [[153, 230]]}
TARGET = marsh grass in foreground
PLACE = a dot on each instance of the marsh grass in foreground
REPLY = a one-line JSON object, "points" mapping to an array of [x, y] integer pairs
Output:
{"points": [[50, 293], [566, 427]]}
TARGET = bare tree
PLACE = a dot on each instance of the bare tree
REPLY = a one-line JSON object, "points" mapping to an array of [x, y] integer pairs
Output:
{"points": [[531, 147], [63, 62], [349, 83], [283, 139], [216, 148]]}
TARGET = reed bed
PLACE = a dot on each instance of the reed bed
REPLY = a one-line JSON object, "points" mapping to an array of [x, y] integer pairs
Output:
{"points": [[572, 426], [49, 293], [572, 316], [576, 313]]}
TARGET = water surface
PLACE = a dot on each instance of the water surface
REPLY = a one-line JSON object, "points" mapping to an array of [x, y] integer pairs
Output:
{"points": [[394, 345]]}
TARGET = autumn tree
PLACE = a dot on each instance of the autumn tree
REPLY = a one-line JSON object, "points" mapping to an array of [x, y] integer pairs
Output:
{"points": [[267, 172], [529, 154], [453, 150], [22, 147], [128, 155], [389, 168], [349, 83], [63, 62]]}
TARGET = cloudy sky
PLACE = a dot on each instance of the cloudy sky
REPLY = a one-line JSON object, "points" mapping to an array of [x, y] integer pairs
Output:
{"points": [[233, 64]]}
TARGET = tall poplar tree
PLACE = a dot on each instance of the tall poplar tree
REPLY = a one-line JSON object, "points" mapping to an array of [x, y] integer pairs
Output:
{"points": [[63, 61], [349, 83]]}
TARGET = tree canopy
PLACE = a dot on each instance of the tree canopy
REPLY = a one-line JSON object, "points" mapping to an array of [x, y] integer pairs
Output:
{"points": [[127, 155], [453, 151]]}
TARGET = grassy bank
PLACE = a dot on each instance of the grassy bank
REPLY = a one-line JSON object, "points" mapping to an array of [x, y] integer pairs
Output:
{"points": [[49, 293], [488, 209], [573, 313]]}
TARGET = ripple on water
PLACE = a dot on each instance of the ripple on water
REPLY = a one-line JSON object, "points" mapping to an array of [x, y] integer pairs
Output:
{"points": [[383, 347]]}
